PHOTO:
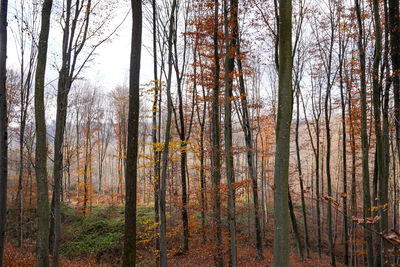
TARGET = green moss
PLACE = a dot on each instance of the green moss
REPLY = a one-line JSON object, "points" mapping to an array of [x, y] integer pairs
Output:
{"points": [[100, 232]]}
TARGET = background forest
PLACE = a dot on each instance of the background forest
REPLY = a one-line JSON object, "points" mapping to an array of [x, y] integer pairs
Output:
{"points": [[246, 133]]}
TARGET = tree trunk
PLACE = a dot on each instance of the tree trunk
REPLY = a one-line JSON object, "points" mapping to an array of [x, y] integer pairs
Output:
{"points": [[295, 229], [246, 125], [380, 156], [156, 170], [42, 244], [163, 189], [303, 202], [3, 126], [215, 150], [395, 53], [230, 43], [344, 157], [129, 254], [285, 102], [364, 138]]}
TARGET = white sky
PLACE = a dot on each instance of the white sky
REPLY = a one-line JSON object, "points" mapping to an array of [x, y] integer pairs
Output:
{"points": [[109, 66]]}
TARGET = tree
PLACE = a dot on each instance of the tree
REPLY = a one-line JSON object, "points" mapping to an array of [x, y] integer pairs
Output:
{"points": [[285, 102], [156, 153], [395, 56], [3, 125], [163, 188], [380, 160], [248, 133], [183, 134], [27, 18], [364, 136], [129, 256], [215, 139], [42, 244], [230, 43], [75, 23]]}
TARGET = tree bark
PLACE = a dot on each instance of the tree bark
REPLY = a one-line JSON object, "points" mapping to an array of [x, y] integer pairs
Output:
{"points": [[285, 102], [156, 170], [42, 244], [364, 138], [344, 151], [295, 229], [230, 43], [163, 189], [303, 202], [215, 140], [394, 23], [129, 254], [3, 126], [247, 130]]}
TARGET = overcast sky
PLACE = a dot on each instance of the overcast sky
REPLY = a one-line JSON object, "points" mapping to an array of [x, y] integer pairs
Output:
{"points": [[110, 65]]}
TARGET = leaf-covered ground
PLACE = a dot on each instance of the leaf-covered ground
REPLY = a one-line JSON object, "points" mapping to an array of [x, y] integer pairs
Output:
{"points": [[96, 240]]}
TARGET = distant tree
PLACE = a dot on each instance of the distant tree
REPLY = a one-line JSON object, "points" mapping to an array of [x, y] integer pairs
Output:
{"points": [[26, 38]]}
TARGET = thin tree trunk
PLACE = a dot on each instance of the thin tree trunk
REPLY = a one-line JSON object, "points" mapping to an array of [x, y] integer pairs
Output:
{"points": [[303, 202], [163, 189], [246, 125], [344, 156], [156, 179], [215, 140], [364, 138], [295, 229], [230, 43]]}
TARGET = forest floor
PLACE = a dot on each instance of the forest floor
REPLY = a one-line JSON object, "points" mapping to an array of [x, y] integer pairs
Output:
{"points": [[25, 257], [96, 240]]}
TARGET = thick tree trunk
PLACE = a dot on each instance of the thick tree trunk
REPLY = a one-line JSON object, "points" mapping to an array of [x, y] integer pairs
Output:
{"points": [[129, 254], [285, 102], [394, 23], [383, 181], [3, 126], [42, 244]]}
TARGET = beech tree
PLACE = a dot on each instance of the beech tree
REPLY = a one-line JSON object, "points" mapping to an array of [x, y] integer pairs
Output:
{"points": [[3, 126], [42, 244], [129, 256], [364, 135], [285, 101], [163, 182]]}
